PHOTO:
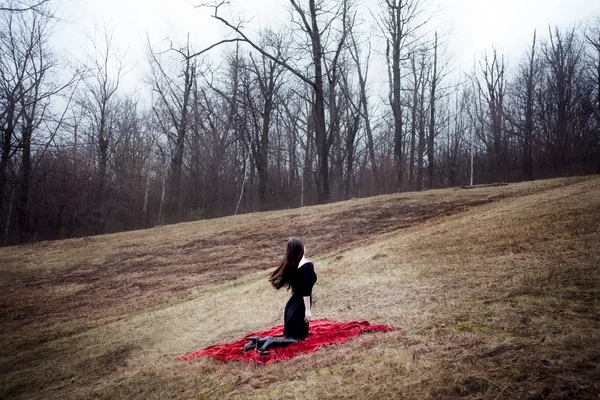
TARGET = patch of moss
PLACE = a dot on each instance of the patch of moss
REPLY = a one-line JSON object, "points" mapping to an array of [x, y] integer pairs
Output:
{"points": [[571, 289], [463, 326], [468, 326]]}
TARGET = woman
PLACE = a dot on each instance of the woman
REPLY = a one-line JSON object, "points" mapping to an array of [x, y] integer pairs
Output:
{"points": [[298, 274]]}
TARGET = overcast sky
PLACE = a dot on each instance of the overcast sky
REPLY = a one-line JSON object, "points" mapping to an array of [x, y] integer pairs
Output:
{"points": [[474, 25]]}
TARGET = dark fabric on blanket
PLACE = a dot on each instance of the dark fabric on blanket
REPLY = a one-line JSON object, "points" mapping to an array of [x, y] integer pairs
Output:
{"points": [[321, 333]]}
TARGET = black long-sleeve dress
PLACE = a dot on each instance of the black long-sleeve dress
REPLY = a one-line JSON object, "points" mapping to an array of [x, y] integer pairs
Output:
{"points": [[302, 284]]}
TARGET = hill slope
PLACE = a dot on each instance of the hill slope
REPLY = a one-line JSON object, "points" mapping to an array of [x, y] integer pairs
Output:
{"points": [[497, 292]]}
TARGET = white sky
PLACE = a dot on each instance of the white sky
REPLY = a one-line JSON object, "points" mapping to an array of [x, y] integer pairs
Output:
{"points": [[474, 24], [509, 24]]}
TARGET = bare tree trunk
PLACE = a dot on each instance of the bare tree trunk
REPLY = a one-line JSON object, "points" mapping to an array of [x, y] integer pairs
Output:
{"points": [[146, 194], [471, 151], [352, 118], [397, 25], [413, 127], [262, 164], [308, 157], [397, 109], [353, 126], [362, 77], [237, 207], [161, 208], [9, 216], [528, 133], [103, 141], [174, 185], [431, 137], [319, 109], [422, 135], [24, 183], [7, 134]]}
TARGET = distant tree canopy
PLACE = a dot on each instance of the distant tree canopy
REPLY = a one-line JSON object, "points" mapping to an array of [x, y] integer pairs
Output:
{"points": [[286, 119]]}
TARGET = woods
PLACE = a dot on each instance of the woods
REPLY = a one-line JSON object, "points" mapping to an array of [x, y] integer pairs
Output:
{"points": [[285, 117]]}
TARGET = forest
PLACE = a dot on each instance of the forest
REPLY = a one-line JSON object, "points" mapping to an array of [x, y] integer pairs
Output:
{"points": [[280, 118]]}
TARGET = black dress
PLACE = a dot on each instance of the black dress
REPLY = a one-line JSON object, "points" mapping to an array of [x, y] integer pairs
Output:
{"points": [[302, 284]]}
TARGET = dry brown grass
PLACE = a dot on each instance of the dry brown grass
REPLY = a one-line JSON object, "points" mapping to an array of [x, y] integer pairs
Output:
{"points": [[497, 292]]}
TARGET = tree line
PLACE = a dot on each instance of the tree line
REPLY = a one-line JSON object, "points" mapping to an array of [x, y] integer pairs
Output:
{"points": [[280, 118]]}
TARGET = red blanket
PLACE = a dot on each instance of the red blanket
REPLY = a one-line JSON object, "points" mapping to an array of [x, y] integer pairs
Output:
{"points": [[321, 333]]}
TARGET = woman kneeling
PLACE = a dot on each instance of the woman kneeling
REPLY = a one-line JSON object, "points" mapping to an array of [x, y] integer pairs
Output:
{"points": [[298, 274]]}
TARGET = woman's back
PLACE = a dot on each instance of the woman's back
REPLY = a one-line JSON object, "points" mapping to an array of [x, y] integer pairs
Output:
{"points": [[302, 282]]}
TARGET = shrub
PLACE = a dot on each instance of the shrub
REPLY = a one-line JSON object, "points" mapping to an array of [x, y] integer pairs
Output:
{"points": [[194, 215]]}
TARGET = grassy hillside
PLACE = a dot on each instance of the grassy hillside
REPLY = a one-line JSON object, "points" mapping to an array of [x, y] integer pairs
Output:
{"points": [[496, 291]]}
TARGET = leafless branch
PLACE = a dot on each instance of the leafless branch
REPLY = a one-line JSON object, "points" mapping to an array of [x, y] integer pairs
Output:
{"points": [[23, 7]]}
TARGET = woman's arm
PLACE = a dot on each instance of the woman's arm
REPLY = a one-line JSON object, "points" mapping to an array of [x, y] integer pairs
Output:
{"points": [[307, 313]]}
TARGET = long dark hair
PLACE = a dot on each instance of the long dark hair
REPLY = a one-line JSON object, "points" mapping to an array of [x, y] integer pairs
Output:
{"points": [[293, 254]]}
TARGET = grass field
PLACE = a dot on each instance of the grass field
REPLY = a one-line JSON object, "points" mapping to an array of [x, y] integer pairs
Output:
{"points": [[496, 291]]}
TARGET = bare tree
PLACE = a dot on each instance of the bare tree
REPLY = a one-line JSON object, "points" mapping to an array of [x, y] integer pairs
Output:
{"points": [[131, 154], [219, 107], [417, 67], [310, 25], [399, 24], [522, 117], [593, 39], [19, 6], [298, 107], [351, 122], [13, 69], [563, 55], [456, 137], [435, 77], [266, 77], [421, 120], [26, 93], [175, 99], [528, 132], [364, 101], [490, 86], [103, 70]]}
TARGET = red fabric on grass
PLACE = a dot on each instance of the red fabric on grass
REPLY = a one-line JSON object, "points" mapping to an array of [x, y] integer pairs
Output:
{"points": [[321, 333]]}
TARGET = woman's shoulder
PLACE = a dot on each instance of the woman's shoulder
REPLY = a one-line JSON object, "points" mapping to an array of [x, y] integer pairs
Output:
{"points": [[307, 265], [307, 269]]}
